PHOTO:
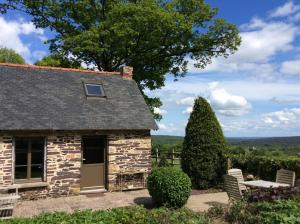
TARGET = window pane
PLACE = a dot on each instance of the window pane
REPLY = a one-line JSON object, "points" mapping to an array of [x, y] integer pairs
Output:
{"points": [[37, 171], [94, 90], [21, 155], [26, 148], [93, 150], [37, 145], [21, 145], [21, 159], [21, 172], [37, 158]]}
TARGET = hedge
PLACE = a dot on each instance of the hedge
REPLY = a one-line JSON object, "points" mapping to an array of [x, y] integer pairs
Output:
{"points": [[127, 215], [265, 167]]}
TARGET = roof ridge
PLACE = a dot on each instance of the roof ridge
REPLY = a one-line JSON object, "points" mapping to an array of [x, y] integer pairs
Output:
{"points": [[57, 68]]}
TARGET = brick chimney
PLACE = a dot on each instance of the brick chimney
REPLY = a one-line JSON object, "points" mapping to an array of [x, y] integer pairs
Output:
{"points": [[126, 72]]}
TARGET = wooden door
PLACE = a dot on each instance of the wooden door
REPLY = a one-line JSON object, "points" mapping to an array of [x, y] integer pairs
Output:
{"points": [[93, 162]]}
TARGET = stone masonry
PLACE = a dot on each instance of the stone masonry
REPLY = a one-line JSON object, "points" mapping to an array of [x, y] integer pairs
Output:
{"points": [[5, 160], [127, 152], [63, 164]]}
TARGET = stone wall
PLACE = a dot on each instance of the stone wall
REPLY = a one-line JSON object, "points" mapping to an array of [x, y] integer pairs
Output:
{"points": [[6, 160], [128, 152], [63, 164]]}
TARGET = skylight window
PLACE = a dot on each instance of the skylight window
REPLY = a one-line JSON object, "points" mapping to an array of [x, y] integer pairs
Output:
{"points": [[94, 89]]}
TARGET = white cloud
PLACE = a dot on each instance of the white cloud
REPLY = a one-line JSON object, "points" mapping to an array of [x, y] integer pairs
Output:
{"points": [[295, 17], [252, 90], [261, 41], [188, 110], [160, 111], [287, 9], [167, 128], [228, 104], [186, 101], [286, 99], [283, 118], [237, 126], [28, 28], [10, 36], [162, 126], [39, 54], [221, 101], [291, 67]]}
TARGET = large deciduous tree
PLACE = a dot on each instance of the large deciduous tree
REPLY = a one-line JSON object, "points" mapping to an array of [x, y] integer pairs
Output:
{"points": [[156, 37], [10, 56], [56, 60], [202, 156]]}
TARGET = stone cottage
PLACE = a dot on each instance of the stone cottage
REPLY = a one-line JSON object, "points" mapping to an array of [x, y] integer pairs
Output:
{"points": [[67, 131]]}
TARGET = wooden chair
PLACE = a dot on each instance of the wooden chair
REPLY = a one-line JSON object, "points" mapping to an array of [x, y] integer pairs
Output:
{"points": [[286, 177], [239, 175], [232, 187], [7, 203]]}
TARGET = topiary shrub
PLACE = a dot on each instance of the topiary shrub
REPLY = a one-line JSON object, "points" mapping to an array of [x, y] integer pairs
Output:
{"points": [[163, 161], [169, 186], [202, 156]]}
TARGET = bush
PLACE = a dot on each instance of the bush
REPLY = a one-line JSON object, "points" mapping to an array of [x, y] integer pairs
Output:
{"points": [[203, 147], [276, 212], [216, 211], [163, 161], [169, 186], [129, 215], [265, 167], [10, 56]]}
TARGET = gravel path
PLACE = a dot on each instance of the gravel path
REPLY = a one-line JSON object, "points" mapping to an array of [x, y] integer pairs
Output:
{"points": [[200, 202]]}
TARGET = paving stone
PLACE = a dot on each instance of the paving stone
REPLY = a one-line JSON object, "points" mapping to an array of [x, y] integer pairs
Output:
{"points": [[200, 202]]}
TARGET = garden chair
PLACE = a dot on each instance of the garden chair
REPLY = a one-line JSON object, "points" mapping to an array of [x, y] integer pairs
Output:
{"points": [[232, 187], [7, 203], [286, 177], [239, 175]]}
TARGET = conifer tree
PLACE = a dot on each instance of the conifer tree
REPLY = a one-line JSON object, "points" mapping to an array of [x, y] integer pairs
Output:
{"points": [[203, 147]]}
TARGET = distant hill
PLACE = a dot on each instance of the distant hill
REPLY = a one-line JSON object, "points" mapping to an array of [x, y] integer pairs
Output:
{"points": [[266, 142], [166, 139]]}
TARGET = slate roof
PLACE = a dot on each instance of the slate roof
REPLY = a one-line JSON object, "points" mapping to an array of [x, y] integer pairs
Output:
{"points": [[35, 98]]}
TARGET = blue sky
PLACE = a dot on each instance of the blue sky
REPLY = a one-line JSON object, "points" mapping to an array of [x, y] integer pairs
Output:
{"points": [[255, 92]]}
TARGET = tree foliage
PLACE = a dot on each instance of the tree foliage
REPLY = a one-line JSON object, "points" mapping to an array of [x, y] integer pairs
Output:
{"points": [[56, 60], [203, 147], [155, 37], [10, 56]]}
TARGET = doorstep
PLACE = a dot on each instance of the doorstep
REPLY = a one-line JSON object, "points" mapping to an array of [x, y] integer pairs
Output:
{"points": [[93, 191]]}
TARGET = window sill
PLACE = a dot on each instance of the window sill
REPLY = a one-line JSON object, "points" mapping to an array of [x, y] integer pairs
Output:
{"points": [[31, 185]]}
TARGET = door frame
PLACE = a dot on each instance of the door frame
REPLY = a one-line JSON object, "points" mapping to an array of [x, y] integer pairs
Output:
{"points": [[105, 181]]}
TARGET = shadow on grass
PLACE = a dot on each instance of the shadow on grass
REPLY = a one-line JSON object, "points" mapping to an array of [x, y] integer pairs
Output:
{"points": [[216, 203], [147, 202]]}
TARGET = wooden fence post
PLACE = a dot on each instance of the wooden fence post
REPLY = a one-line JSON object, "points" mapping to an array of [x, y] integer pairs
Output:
{"points": [[229, 164], [156, 155], [172, 157]]}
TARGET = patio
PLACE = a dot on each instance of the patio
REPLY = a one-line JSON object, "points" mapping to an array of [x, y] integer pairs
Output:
{"points": [[197, 202]]}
